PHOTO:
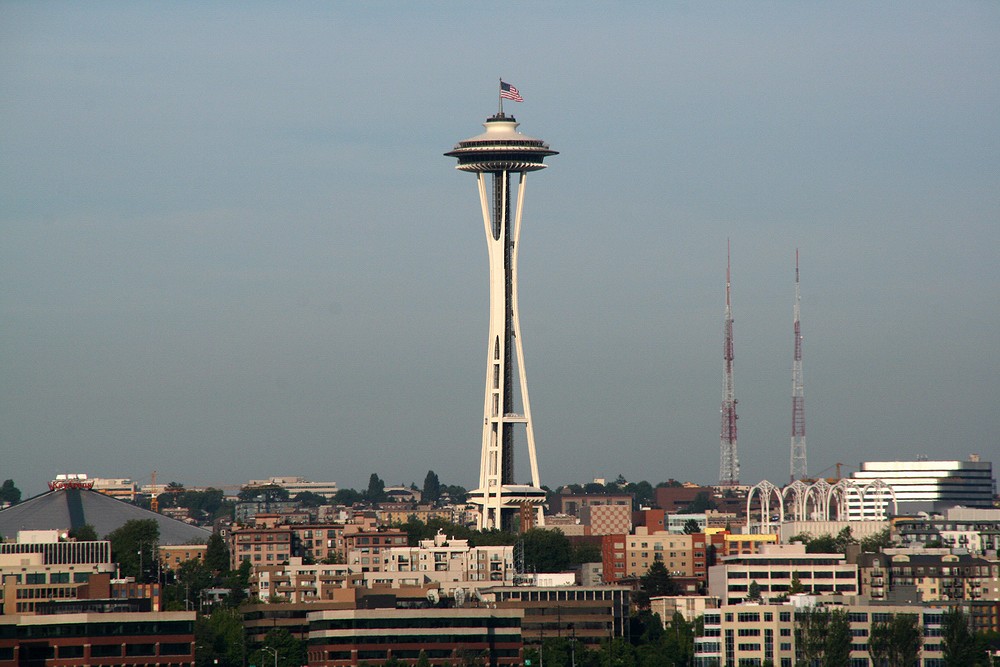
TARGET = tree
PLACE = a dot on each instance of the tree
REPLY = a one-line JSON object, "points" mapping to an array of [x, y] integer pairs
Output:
{"points": [[309, 499], [753, 593], [895, 642], [880, 643], [656, 581], [584, 553], [546, 550], [267, 493], [691, 527], [376, 489], [219, 638], [347, 497], [456, 493], [837, 646], [642, 492], [958, 643], [217, 554], [85, 533], [133, 547], [192, 577], [877, 542], [291, 651], [432, 487], [238, 581], [796, 587], [702, 501], [9, 493], [906, 640], [810, 635]]}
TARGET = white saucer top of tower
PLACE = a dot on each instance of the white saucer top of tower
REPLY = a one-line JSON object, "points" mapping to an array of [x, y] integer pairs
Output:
{"points": [[501, 148]]}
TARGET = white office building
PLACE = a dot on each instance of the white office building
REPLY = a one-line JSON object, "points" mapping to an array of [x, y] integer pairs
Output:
{"points": [[931, 485]]}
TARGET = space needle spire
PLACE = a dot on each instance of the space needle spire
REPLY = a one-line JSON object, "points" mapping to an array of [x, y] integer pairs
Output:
{"points": [[798, 457], [500, 153], [729, 462]]}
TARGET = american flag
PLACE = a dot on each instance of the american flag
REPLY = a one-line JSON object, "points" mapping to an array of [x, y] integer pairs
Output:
{"points": [[509, 92]]}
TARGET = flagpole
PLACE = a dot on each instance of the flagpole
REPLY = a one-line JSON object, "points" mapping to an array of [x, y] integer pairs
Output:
{"points": [[500, 95]]}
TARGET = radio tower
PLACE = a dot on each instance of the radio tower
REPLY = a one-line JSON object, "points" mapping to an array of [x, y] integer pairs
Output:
{"points": [[798, 464], [729, 463], [501, 152]]}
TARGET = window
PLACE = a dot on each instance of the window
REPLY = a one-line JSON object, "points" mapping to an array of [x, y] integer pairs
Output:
{"points": [[140, 649], [106, 651], [70, 652]]}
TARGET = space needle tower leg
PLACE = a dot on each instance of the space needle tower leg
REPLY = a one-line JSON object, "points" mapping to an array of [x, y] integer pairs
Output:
{"points": [[500, 153]]}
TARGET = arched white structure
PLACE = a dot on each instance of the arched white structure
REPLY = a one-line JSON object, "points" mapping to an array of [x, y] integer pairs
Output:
{"points": [[874, 497], [765, 490], [840, 498], [795, 495], [817, 502]]}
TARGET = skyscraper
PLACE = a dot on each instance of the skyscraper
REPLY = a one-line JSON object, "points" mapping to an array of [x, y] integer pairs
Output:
{"points": [[500, 152]]}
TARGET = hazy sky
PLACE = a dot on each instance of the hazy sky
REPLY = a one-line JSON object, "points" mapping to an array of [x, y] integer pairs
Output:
{"points": [[230, 246]]}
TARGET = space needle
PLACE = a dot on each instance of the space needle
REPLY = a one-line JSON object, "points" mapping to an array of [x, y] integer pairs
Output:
{"points": [[500, 152]]}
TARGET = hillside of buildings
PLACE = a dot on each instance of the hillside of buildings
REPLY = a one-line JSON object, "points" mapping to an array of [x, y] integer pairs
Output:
{"points": [[631, 573]]}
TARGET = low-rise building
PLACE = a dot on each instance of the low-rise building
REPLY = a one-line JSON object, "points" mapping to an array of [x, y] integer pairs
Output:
{"points": [[116, 487], [572, 503], [974, 529], [607, 519], [738, 544], [688, 606], [757, 634], [448, 637], [774, 569], [366, 549], [156, 639], [933, 576], [40, 569], [445, 560], [260, 546], [172, 555], [590, 614], [297, 582]]}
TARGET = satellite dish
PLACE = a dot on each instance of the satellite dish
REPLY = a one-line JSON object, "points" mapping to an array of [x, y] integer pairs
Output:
{"points": [[432, 596], [459, 597]]}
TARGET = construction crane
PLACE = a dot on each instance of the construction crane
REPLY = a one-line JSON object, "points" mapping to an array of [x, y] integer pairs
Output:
{"points": [[155, 492]]}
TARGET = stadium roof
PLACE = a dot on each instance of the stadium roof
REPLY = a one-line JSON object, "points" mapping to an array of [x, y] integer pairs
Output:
{"points": [[68, 509]]}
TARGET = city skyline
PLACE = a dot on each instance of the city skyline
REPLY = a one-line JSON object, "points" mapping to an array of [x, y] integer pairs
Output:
{"points": [[230, 248]]}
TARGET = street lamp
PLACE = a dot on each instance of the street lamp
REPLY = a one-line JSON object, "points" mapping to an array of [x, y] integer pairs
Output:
{"points": [[274, 651]]}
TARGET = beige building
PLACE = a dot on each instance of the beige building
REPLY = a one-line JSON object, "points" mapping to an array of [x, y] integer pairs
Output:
{"points": [[774, 569], [688, 606], [607, 519], [447, 560], [366, 549], [117, 487], [171, 556], [296, 582], [260, 546], [753, 634], [28, 579], [675, 551]]}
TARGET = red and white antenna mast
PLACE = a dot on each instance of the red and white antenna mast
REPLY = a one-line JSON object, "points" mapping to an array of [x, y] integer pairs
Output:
{"points": [[798, 459], [729, 462]]}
